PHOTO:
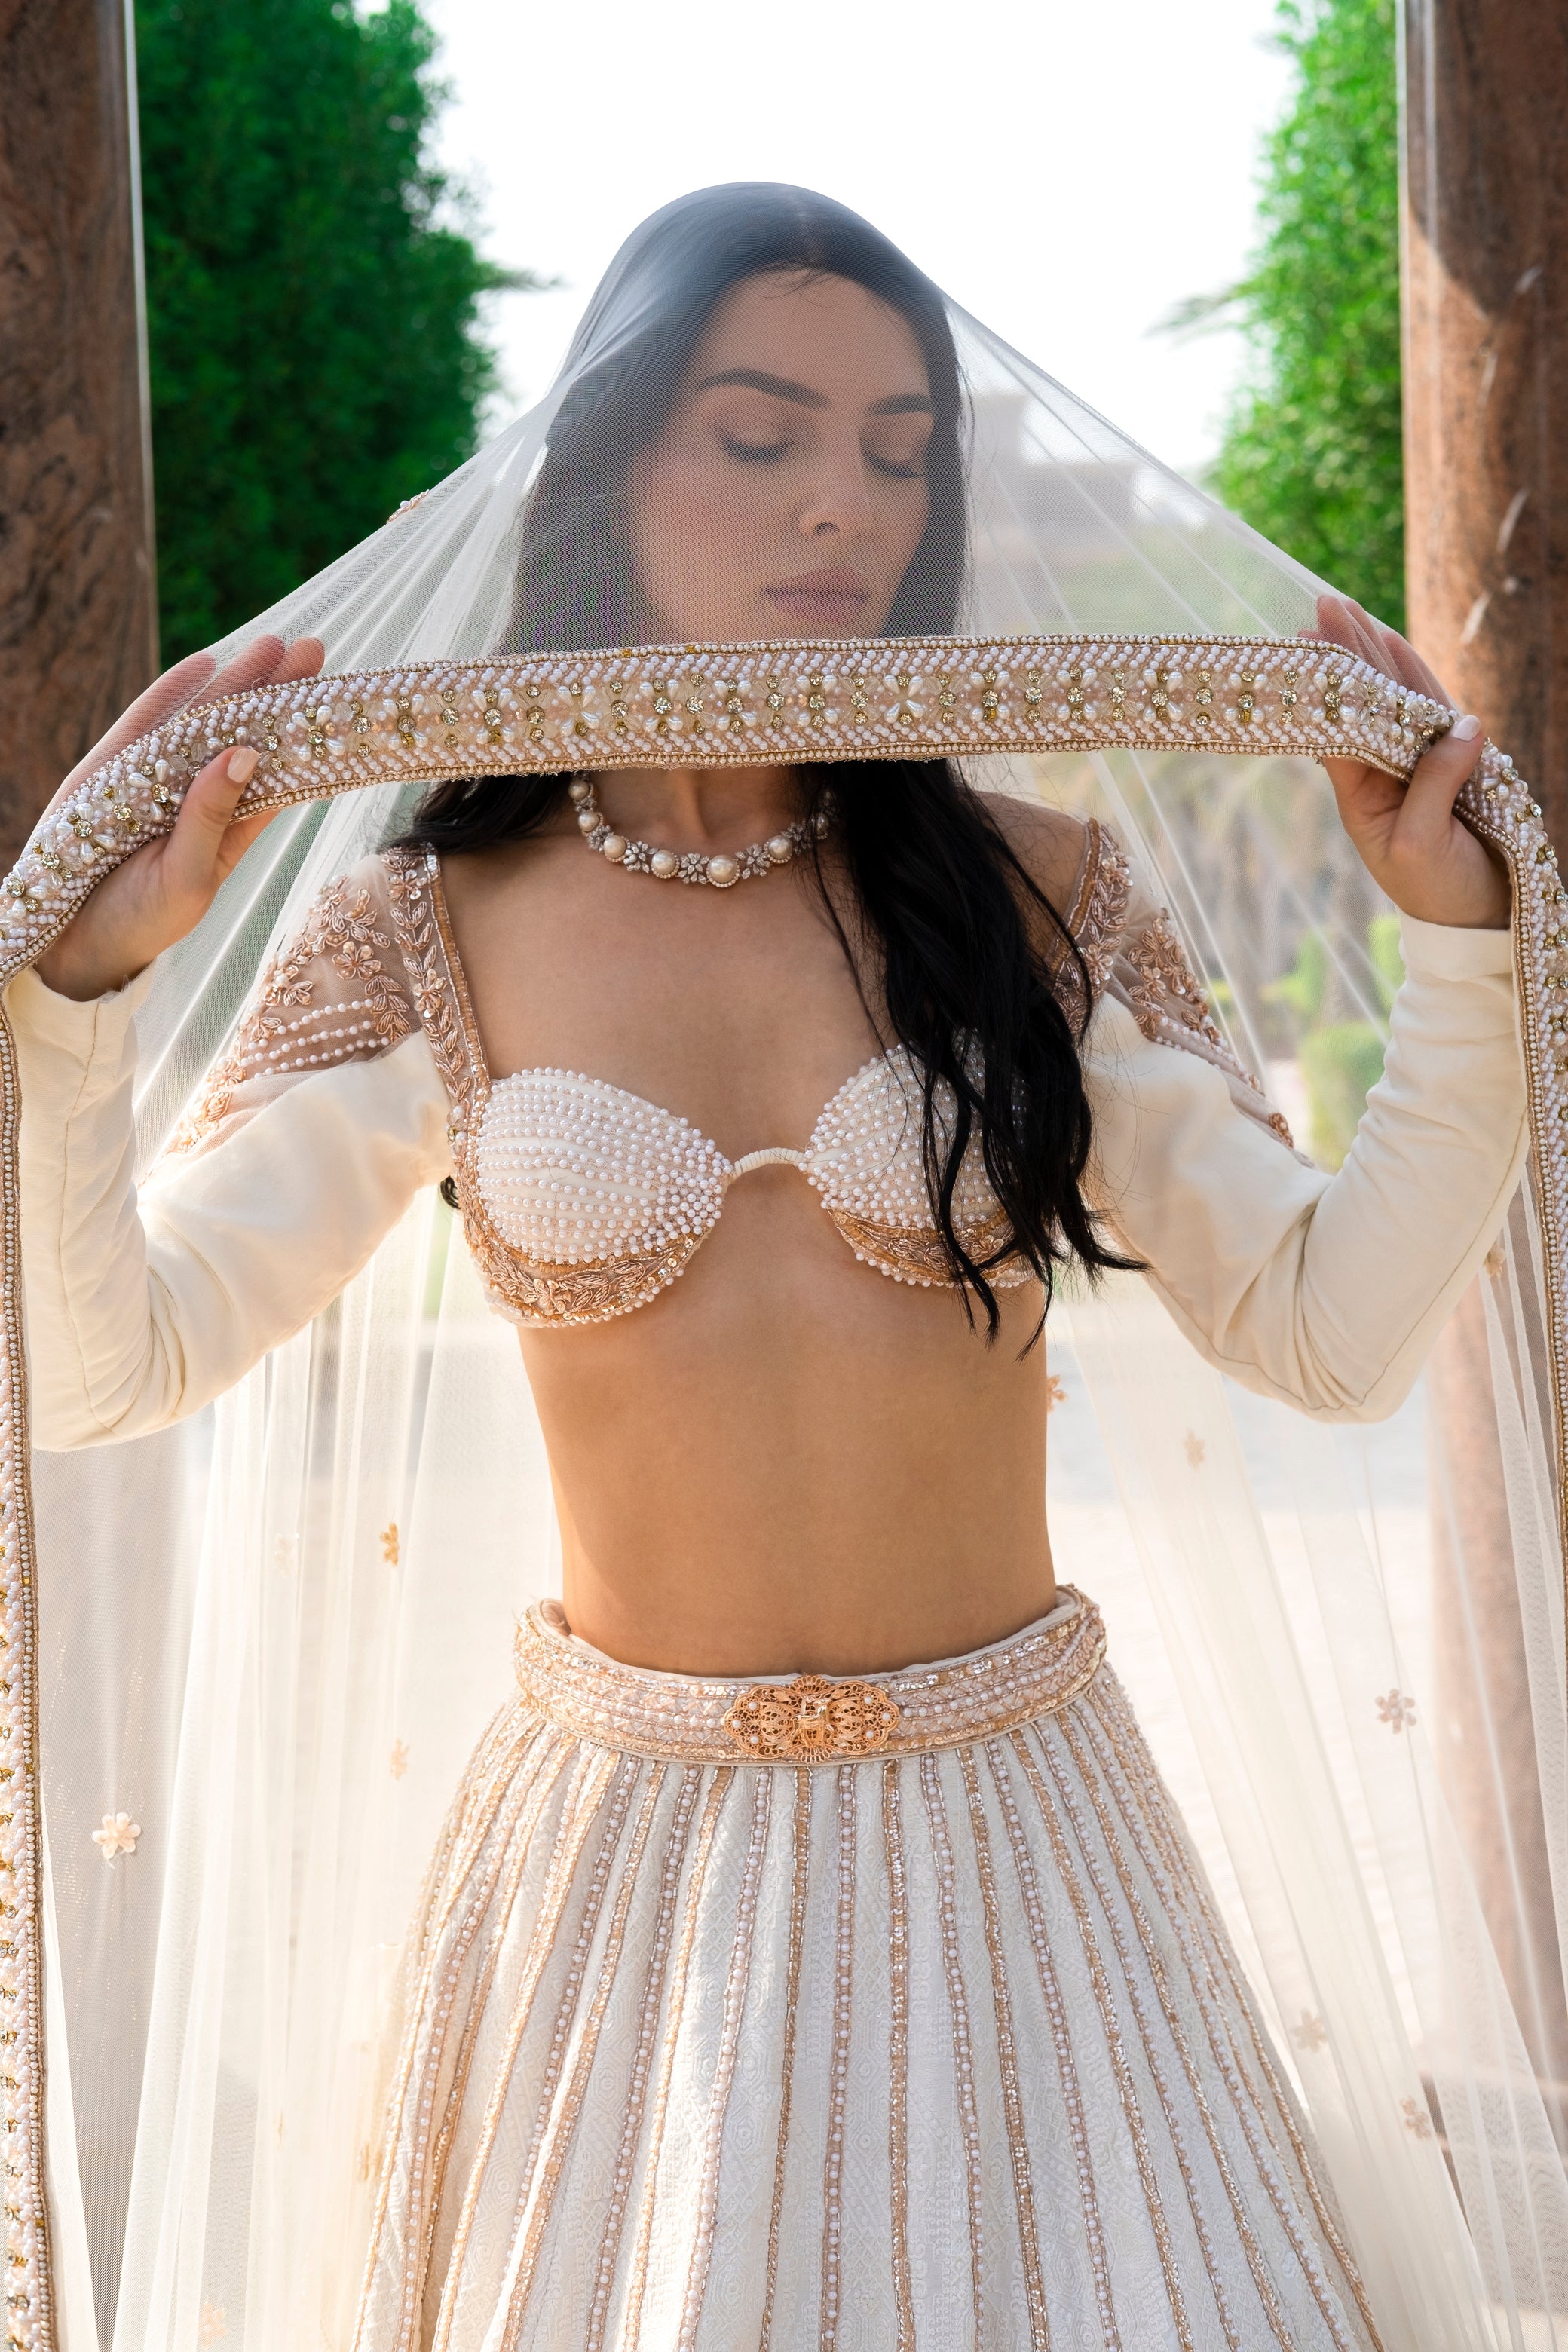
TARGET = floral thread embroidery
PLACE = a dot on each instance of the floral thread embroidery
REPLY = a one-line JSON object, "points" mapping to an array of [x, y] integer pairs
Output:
{"points": [[1161, 990], [1096, 918], [339, 931], [1396, 1709], [1166, 988], [117, 1835]]}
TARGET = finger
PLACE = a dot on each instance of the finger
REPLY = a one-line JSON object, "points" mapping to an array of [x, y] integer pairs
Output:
{"points": [[303, 659], [1397, 657], [1341, 624], [156, 703], [1333, 624], [1361, 635], [1439, 777], [206, 815], [1374, 641], [252, 666], [1411, 670], [239, 837]]}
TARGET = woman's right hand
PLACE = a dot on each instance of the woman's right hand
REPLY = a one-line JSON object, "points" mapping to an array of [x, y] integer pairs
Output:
{"points": [[162, 890]]}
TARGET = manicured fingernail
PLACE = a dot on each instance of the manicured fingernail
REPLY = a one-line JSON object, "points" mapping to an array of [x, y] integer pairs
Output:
{"points": [[1466, 729], [242, 764]]}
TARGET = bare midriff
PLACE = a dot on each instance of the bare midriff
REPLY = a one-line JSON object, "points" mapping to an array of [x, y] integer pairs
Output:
{"points": [[788, 1462]]}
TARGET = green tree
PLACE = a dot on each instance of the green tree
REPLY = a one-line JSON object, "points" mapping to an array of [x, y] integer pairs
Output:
{"points": [[312, 300], [1313, 453]]}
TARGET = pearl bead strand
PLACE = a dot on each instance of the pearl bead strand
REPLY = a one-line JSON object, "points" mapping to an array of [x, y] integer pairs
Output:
{"points": [[720, 872]]}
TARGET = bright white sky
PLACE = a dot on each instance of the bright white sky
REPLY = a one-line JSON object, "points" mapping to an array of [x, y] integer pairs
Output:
{"points": [[1069, 169]]}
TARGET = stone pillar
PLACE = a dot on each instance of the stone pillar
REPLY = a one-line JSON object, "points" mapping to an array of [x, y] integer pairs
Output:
{"points": [[1485, 452], [1486, 367], [78, 613], [1484, 1734]]}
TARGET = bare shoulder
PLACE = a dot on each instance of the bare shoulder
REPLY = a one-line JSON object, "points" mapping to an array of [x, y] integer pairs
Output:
{"points": [[503, 873], [1049, 843]]}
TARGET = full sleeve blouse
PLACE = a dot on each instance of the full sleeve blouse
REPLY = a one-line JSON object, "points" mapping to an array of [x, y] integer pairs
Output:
{"points": [[145, 1301]]}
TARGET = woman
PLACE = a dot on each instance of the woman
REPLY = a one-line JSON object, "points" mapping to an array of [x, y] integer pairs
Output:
{"points": [[770, 1985]]}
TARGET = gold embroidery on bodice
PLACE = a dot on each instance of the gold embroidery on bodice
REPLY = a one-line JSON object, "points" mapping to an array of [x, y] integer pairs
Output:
{"points": [[581, 1201]]}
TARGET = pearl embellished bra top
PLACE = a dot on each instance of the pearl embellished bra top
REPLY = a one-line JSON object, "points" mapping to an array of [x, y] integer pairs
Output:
{"points": [[581, 1201]]}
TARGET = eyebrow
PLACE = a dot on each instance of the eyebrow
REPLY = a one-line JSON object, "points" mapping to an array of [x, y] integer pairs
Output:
{"points": [[781, 387]]}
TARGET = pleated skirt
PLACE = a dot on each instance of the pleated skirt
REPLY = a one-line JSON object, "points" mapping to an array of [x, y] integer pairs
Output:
{"points": [[862, 2016]]}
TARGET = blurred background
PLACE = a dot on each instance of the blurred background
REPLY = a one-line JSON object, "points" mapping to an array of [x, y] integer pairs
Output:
{"points": [[269, 267], [383, 236]]}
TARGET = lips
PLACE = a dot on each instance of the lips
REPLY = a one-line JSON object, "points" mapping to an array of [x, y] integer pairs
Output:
{"points": [[818, 603]]}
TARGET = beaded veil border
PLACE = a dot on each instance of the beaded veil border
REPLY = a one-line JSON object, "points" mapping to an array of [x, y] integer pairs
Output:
{"points": [[717, 705]]}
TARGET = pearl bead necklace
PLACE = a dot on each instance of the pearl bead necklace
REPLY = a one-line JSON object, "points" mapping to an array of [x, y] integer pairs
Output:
{"points": [[721, 872]]}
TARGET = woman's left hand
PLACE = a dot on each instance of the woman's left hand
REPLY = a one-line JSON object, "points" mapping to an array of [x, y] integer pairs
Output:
{"points": [[1407, 835]]}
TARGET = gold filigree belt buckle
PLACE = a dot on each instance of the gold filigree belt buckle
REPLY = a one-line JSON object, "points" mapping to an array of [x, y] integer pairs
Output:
{"points": [[812, 1717]]}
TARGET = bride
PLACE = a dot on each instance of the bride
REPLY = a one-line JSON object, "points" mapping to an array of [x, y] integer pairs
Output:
{"points": [[812, 1952]]}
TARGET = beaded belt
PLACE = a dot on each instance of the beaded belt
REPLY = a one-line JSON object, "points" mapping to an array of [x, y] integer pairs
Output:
{"points": [[810, 1719]]}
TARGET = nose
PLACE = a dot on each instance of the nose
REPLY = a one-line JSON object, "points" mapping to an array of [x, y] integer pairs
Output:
{"points": [[839, 503]]}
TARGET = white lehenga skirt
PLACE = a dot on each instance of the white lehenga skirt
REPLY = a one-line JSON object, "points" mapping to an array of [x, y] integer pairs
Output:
{"points": [[861, 2015]]}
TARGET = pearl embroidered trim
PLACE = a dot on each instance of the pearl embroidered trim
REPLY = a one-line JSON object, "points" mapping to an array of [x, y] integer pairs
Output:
{"points": [[705, 1719], [744, 705]]}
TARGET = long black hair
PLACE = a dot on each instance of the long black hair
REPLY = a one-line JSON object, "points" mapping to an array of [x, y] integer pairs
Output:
{"points": [[969, 949]]}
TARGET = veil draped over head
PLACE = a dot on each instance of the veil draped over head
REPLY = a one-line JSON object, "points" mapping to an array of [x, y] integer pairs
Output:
{"points": [[262, 1644]]}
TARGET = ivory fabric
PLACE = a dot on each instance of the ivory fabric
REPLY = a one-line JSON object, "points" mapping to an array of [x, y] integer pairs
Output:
{"points": [[945, 2046], [143, 1304], [1097, 2143]]}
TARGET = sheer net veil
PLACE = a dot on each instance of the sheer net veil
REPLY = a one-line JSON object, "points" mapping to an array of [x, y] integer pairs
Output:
{"points": [[273, 1634]]}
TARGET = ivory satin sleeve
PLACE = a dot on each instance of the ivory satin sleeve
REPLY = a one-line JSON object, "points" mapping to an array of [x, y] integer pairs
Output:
{"points": [[1324, 1291], [143, 1304]]}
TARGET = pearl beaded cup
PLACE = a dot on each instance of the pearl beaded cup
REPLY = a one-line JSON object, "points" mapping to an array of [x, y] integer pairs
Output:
{"points": [[866, 1150], [574, 1172]]}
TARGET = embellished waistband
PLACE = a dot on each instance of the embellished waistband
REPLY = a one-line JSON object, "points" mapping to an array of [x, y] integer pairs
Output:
{"points": [[810, 1719]]}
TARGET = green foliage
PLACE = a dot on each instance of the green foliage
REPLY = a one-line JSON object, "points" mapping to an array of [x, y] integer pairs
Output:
{"points": [[1313, 453], [1341, 1066], [1387, 959], [1342, 1061], [1300, 989], [312, 310]]}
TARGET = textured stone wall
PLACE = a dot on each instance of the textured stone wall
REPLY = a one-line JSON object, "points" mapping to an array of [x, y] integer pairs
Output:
{"points": [[78, 627]]}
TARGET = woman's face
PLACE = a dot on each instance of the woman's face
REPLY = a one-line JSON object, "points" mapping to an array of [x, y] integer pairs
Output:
{"points": [[787, 494]]}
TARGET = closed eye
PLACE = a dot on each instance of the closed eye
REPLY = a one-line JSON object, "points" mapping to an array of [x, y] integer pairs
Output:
{"points": [[913, 472], [753, 453]]}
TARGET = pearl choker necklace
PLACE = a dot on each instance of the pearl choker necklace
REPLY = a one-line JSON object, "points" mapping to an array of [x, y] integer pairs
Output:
{"points": [[721, 872]]}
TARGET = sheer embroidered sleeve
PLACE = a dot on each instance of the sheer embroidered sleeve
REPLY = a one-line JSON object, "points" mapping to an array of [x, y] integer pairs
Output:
{"points": [[336, 993], [1134, 955]]}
